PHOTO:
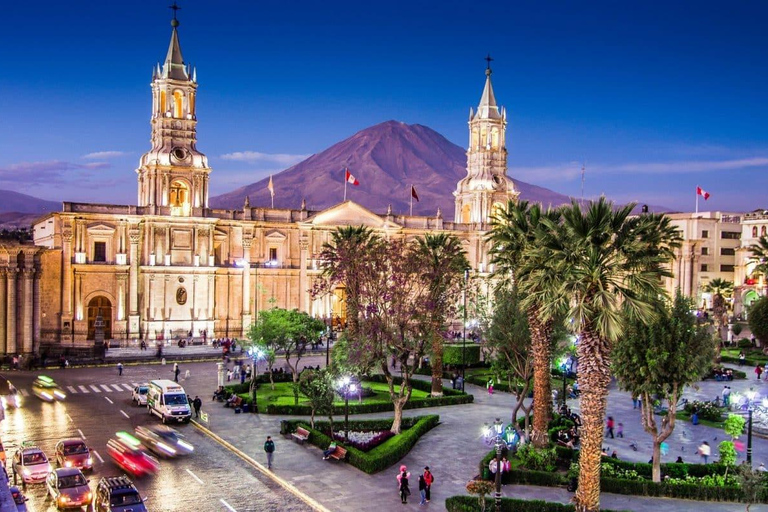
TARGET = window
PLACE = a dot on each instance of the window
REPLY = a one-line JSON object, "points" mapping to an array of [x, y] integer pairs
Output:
{"points": [[754, 231], [704, 233], [725, 251], [762, 231], [100, 252], [730, 235], [704, 251], [273, 254], [704, 267], [726, 268]]}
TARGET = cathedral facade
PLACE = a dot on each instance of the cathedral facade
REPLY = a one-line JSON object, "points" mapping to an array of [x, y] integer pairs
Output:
{"points": [[170, 264]]}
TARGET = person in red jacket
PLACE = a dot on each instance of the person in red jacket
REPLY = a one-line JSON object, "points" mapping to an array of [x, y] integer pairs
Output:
{"points": [[428, 479]]}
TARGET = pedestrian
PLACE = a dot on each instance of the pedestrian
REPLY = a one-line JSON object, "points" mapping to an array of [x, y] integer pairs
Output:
{"points": [[620, 430], [187, 374], [490, 386], [402, 481], [742, 358], [758, 370], [176, 373], [229, 375], [422, 490], [726, 396], [752, 339], [609, 427], [197, 404], [765, 370], [429, 479], [269, 448], [705, 451], [119, 369], [242, 377]]}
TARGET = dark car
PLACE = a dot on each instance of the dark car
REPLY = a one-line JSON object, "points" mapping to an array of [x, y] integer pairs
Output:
{"points": [[73, 453], [163, 441], [129, 454], [68, 488], [117, 494], [19, 499]]}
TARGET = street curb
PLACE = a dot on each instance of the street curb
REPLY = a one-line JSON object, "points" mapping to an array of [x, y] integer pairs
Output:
{"points": [[259, 467]]}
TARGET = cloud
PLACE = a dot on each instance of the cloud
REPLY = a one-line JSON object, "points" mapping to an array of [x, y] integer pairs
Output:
{"points": [[257, 157], [572, 170], [48, 172], [101, 155]]}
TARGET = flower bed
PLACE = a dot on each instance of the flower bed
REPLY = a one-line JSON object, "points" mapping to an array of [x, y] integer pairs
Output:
{"points": [[365, 440], [472, 504]]}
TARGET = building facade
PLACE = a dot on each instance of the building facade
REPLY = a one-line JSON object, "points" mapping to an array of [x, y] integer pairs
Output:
{"points": [[171, 265]]}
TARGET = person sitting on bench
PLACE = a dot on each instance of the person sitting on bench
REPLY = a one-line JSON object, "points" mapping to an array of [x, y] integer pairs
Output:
{"points": [[331, 448], [219, 394]]}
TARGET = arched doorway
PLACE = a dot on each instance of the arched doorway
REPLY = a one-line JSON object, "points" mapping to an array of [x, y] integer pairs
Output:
{"points": [[339, 307], [100, 306], [749, 297]]}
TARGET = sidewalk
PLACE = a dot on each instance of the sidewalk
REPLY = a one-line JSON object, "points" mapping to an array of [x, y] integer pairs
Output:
{"points": [[453, 449]]}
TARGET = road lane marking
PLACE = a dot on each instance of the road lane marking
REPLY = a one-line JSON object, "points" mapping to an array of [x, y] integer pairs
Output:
{"points": [[229, 507], [105, 388], [123, 412], [82, 436], [195, 477], [68, 417], [117, 387], [108, 400], [128, 387], [72, 389], [94, 388], [83, 389], [134, 384], [97, 456]]}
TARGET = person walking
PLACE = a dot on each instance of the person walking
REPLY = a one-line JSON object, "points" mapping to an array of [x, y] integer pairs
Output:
{"points": [[429, 480], [705, 451], [490, 386], [620, 430], [402, 481], [176, 372], [197, 404], [758, 371], [742, 358], [422, 490], [119, 369], [269, 448], [609, 427]]}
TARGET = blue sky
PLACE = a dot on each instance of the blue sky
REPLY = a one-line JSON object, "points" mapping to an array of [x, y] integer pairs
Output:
{"points": [[656, 97]]}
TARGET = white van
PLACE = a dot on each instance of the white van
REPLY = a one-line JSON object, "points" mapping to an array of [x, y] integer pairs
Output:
{"points": [[168, 400]]}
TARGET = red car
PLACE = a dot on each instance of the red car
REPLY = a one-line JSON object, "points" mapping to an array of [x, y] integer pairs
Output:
{"points": [[128, 453]]}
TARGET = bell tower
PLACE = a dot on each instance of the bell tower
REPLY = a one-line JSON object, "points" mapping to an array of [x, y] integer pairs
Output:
{"points": [[486, 185], [173, 173]]}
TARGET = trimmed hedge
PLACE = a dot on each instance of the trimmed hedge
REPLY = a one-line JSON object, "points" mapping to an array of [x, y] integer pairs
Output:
{"points": [[450, 397], [381, 457], [471, 504], [452, 354]]}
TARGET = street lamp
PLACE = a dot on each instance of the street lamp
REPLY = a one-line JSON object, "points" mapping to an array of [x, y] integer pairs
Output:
{"points": [[256, 355], [565, 383], [328, 340], [499, 445], [464, 335], [750, 397], [346, 386]]}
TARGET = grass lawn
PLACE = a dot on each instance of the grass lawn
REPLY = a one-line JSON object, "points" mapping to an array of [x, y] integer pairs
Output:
{"points": [[684, 416], [485, 373], [754, 356], [283, 394]]}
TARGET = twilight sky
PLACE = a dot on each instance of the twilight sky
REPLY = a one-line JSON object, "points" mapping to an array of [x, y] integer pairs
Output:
{"points": [[656, 97]]}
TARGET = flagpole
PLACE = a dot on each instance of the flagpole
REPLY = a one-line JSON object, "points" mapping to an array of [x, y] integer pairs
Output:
{"points": [[345, 185], [411, 200], [583, 168], [697, 199]]}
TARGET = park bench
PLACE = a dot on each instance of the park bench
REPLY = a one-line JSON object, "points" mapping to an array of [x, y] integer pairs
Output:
{"points": [[339, 453], [236, 404], [301, 435]]}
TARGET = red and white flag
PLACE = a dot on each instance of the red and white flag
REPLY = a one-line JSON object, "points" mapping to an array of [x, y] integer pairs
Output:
{"points": [[702, 193], [351, 179]]}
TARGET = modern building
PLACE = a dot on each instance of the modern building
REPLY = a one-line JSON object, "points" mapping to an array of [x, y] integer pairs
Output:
{"points": [[170, 264]]}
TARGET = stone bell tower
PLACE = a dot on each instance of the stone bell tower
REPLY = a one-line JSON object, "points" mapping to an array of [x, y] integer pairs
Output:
{"points": [[486, 185], [174, 174]]}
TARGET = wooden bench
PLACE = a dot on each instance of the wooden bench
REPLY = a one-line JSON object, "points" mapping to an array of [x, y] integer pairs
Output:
{"points": [[236, 403], [339, 453], [301, 435]]}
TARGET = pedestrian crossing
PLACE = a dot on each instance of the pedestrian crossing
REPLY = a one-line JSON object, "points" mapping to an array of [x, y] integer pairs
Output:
{"points": [[93, 388]]}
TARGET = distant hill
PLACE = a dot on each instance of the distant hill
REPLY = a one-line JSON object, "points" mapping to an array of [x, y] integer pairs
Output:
{"points": [[19, 210], [386, 159]]}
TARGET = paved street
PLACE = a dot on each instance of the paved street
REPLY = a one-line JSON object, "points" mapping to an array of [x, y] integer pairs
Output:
{"points": [[452, 449]]}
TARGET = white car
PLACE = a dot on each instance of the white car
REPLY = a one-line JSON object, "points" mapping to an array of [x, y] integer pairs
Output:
{"points": [[139, 395]]}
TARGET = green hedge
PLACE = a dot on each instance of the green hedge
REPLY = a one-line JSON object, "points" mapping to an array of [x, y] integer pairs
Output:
{"points": [[472, 504], [452, 354], [381, 457], [450, 397]]}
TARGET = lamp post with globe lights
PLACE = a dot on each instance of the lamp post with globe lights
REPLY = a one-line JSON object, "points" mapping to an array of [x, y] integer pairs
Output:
{"points": [[346, 386], [750, 407], [498, 428]]}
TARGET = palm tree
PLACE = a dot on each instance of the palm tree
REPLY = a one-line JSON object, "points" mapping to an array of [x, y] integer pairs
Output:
{"points": [[513, 239], [610, 264], [720, 288], [444, 262], [341, 260]]}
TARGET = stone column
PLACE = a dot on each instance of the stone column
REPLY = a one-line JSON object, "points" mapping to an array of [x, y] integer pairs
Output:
{"points": [[246, 309], [303, 287], [10, 334], [3, 311], [27, 308], [66, 292], [134, 235]]}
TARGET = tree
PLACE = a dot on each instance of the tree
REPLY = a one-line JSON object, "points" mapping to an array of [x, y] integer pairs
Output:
{"points": [[658, 359], [752, 484], [444, 262], [759, 256], [513, 249], [758, 318], [289, 330], [317, 386], [720, 290], [608, 264], [734, 427], [509, 339], [341, 261]]}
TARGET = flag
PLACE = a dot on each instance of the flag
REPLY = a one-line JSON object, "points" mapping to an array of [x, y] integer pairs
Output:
{"points": [[414, 194], [351, 179], [271, 187], [702, 193]]}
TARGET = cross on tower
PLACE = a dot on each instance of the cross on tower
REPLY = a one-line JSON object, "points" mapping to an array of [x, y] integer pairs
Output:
{"points": [[488, 59], [174, 8]]}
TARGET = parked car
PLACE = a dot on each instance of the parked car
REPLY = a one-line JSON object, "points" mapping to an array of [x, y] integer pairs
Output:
{"points": [[31, 464], [139, 395], [68, 488], [19, 499], [129, 454], [73, 453], [117, 494]]}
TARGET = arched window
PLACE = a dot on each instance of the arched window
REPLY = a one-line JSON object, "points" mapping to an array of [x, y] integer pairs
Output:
{"points": [[495, 138], [762, 231], [475, 138], [178, 103], [496, 210], [754, 231], [163, 103], [466, 214], [178, 198], [192, 103]]}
